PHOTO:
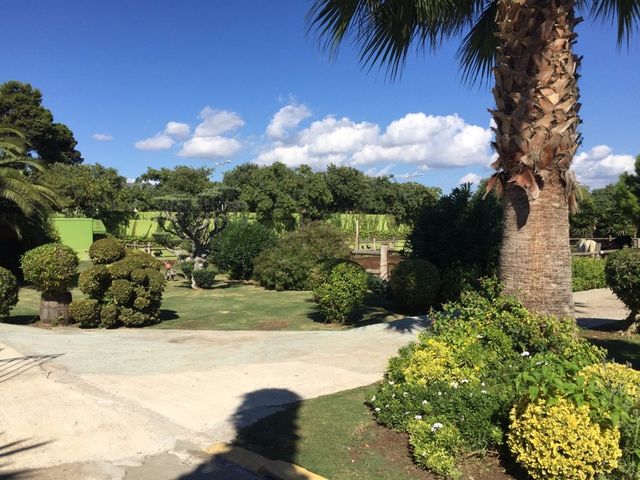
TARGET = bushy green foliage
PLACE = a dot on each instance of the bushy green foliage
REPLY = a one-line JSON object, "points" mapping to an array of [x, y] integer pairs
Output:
{"points": [[51, 268], [204, 277], [415, 284], [95, 281], [236, 248], [377, 285], [286, 266], [342, 291], [460, 234], [187, 268], [109, 316], [85, 312], [8, 291], [320, 273], [121, 292], [622, 272], [587, 273], [453, 389], [106, 250]]}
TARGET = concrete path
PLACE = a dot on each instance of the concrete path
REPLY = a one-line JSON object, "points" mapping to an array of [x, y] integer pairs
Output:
{"points": [[598, 307], [143, 404]]}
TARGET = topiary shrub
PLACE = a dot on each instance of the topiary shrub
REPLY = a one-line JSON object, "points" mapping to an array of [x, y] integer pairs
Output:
{"points": [[286, 266], [106, 250], [8, 291], [559, 441], [121, 292], [135, 318], [187, 268], [204, 277], [95, 281], [622, 273], [320, 273], [415, 284], [234, 250], [52, 269], [86, 312], [587, 273], [109, 316], [342, 292]]}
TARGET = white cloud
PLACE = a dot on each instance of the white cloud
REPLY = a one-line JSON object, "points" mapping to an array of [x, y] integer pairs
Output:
{"points": [[177, 129], [214, 122], [600, 166], [424, 141], [102, 137], [286, 119], [209, 147], [472, 178], [159, 141]]}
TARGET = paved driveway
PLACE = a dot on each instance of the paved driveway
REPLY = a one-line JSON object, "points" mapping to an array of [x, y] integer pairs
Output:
{"points": [[144, 403]]}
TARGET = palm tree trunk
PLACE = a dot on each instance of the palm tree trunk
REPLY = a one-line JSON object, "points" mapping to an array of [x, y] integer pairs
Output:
{"points": [[536, 119]]}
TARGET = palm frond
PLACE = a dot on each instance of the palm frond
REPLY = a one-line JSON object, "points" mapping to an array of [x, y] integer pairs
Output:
{"points": [[478, 50], [625, 14]]}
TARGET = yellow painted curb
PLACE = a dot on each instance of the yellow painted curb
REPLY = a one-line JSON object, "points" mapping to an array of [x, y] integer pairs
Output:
{"points": [[276, 469]]}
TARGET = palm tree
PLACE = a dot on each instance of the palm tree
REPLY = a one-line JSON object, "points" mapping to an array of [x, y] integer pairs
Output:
{"points": [[20, 194], [527, 44]]}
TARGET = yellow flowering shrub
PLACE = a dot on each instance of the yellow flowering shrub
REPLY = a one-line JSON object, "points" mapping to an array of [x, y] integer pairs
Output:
{"points": [[616, 377], [561, 442], [435, 360]]}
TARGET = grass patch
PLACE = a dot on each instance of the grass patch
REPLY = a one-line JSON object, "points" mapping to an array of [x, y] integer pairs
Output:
{"points": [[622, 349], [231, 306], [336, 436]]}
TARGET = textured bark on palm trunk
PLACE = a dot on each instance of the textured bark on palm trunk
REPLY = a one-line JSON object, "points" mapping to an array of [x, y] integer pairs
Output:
{"points": [[536, 119]]}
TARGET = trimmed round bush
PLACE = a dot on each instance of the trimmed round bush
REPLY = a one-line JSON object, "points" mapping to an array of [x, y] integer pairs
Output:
{"points": [[342, 292], [95, 281], [109, 316], [134, 318], [587, 273], [622, 272], [560, 441], [8, 291], [187, 268], [415, 284], [51, 268], [155, 282], [320, 273], [234, 250], [121, 292], [204, 278], [286, 266], [139, 276], [85, 312], [134, 260], [106, 250]]}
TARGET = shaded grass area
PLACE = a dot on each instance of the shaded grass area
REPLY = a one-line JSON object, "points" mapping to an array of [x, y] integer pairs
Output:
{"points": [[231, 306], [620, 348], [337, 437]]}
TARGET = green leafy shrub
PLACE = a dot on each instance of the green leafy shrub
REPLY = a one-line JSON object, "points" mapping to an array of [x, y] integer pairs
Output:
{"points": [[106, 250], [121, 292], [8, 291], [342, 292], [560, 441], [286, 266], [204, 277], [95, 281], [86, 312], [463, 372], [587, 273], [377, 285], [135, 318], [321, 272], [237, 246], [109, 316], [415, 284], [622, 272], [51, 268], [187, 268]]}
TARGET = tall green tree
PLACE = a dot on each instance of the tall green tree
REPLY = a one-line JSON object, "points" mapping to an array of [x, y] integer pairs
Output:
{"points": [[528, 46], [21, 108], [91, 191], [627, 195], [22, 196]]}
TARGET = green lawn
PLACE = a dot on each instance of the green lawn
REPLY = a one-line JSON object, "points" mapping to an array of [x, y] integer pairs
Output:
{"points": [[231, 306]]}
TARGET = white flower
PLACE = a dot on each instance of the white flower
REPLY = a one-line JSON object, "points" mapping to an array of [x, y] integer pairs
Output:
{"points": [[373, 399], [482, 384], [424, 402], [454, 384], [525, 354], [538, 364], [418, 417], [404, 394], [377, 409], [393, 395], [483, 391], [479, 336], [436, 426], [439, 394], [464, 380], [391, 383]]}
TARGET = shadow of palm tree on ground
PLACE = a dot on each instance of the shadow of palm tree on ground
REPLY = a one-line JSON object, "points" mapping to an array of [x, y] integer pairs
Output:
{"points": [[12, 367], [13, 448]]}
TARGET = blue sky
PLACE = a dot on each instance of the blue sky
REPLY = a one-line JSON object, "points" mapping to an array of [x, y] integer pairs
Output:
{"points": [[225, 69]]}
